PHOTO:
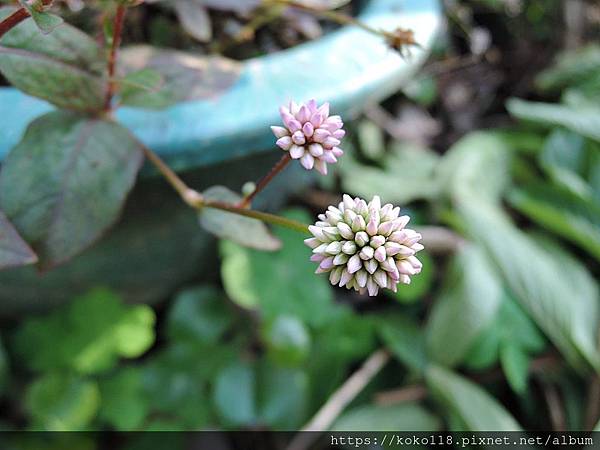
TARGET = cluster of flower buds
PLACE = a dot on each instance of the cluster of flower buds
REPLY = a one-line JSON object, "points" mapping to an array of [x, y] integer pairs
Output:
{"points": [[310, 135], [365, 246]]}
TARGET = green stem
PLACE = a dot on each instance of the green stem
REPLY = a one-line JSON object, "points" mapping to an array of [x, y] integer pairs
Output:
{"points": [[197, 201], [262, 216]]}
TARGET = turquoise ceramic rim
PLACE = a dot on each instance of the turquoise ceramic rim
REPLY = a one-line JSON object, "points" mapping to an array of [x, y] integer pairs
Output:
{"points": [[348, 68]]}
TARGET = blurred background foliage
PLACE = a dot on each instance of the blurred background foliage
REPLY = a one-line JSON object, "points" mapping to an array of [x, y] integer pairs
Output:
{"points": [[496, 143]]}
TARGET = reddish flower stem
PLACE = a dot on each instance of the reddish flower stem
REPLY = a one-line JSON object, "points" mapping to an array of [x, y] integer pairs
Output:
{"points": [[13, 20], [285, 159], [111, 87]]}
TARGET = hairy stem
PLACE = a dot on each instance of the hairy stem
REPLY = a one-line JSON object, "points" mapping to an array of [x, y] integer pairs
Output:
{"points": [[197, 201], [16, 18], [111, 86], [278, 167]]}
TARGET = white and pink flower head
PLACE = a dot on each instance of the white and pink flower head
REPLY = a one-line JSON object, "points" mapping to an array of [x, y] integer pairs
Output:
{"points": [[310, 135]]}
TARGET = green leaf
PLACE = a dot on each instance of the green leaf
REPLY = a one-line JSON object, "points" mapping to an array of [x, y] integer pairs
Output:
{"points": [[60, 402], [14, 251], [466, 307], [405, 417], [199, 315], [511, 327], [572, 68], [416, 181], [87, 336], [515, 364], [582, 119], [46, 22], [66, 182], [419, 285], [405, 339], [575, 218], [474, 406], [564, 158], [557, 291], [124, 403], [175, 381], [144, 80], [262, 395], [477, 163], [240, 229], [279, 283], [186, 77], [371, 140], [287, 340], [64, 67]]}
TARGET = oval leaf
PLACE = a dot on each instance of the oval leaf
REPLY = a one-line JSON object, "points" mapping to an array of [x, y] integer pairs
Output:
{"points": [[64, 184], [62, 67]]}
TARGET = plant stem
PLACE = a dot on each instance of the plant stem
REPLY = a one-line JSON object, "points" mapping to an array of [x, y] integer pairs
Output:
{"points": [[197, 201], [262, 216], [13, 20], [278, 167], [111, 86], [16, 18]]}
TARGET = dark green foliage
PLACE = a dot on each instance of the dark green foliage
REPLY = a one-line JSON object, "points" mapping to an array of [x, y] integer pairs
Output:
{"points": [[66, 182]]}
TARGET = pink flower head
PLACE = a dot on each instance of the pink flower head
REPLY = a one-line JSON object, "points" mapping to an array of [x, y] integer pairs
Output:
{"points": [[310, 135], [365, 246]]}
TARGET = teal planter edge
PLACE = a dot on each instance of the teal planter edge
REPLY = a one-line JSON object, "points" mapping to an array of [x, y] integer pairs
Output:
{"points": [[348, 67]]}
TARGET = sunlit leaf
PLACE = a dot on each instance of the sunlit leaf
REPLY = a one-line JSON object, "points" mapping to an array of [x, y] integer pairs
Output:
{"points": [[87, 336], [60, 402]]}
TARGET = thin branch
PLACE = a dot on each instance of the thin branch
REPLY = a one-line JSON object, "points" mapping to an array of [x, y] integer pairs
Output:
{"points": [[111, 86], [339, 400], [197, 201], [555, 407], [405, 394], [277, 168]]}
